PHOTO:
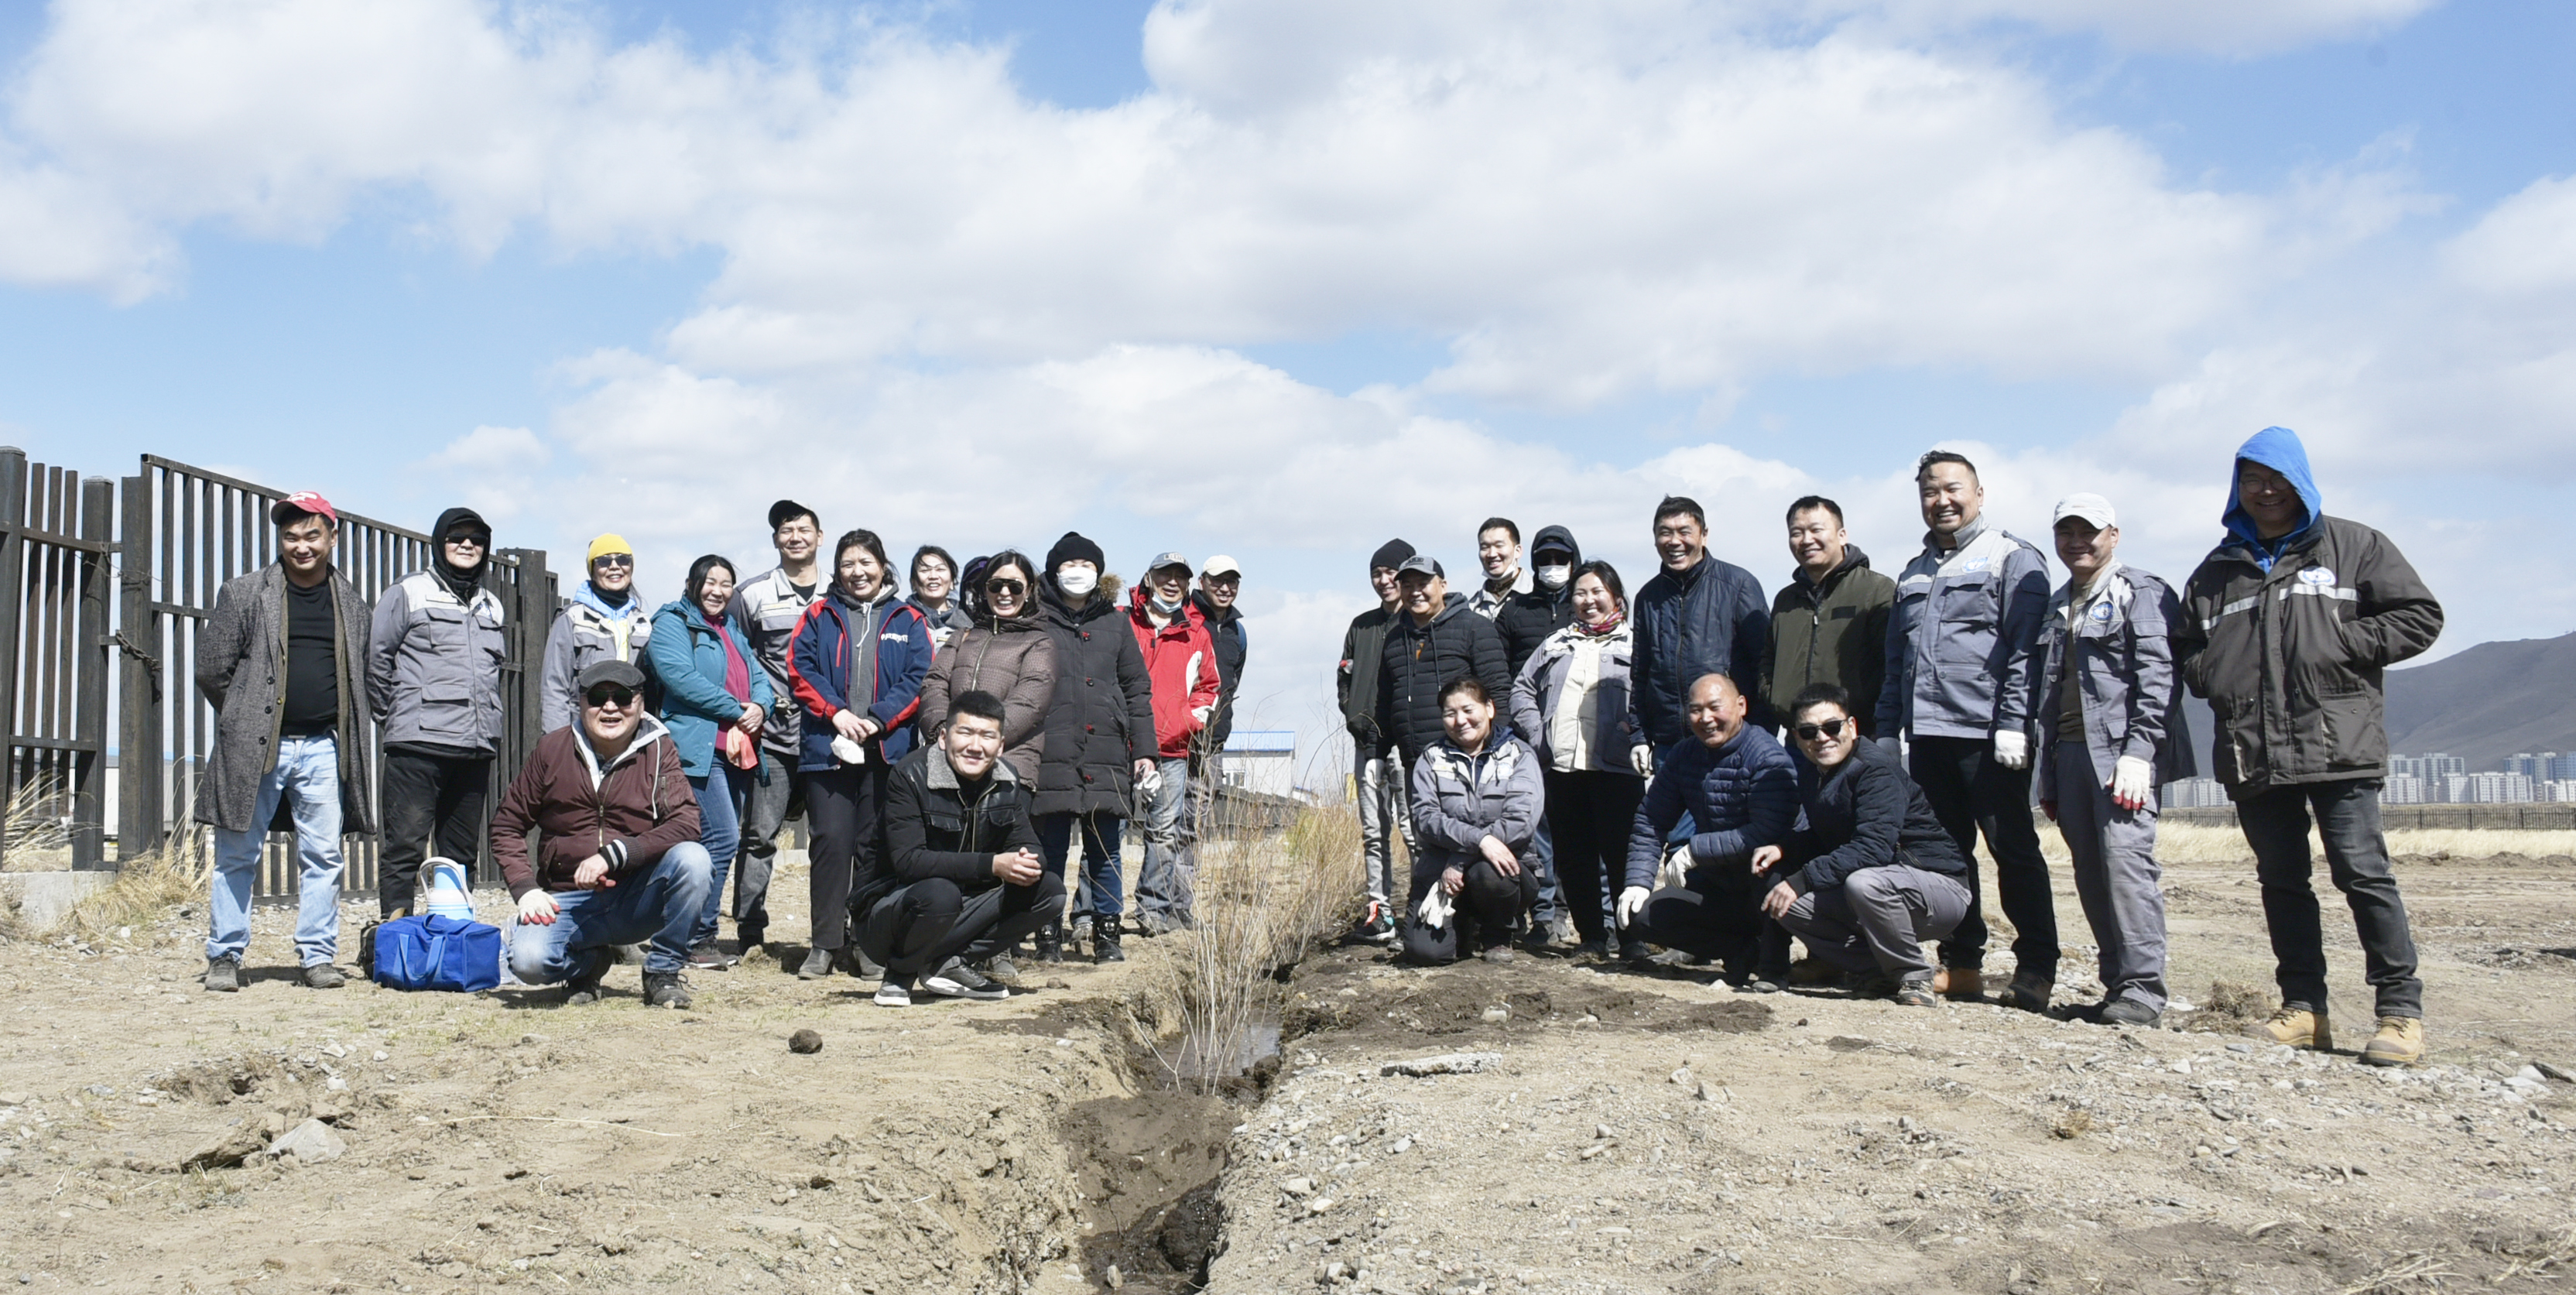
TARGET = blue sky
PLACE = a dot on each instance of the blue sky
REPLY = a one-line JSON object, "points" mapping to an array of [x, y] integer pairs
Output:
{"points": [[2281, 225]]}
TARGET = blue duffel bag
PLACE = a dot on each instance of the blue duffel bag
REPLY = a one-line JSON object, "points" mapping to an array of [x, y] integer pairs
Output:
{"points": [[434, 952]]}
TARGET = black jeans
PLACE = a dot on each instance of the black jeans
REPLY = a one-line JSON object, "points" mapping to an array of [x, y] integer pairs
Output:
{"points": [[2347, 816], [1970, 792], [1717, 914], [1483, 912], [845, 808], [1589, 814], [919, 928], [428, 798]]}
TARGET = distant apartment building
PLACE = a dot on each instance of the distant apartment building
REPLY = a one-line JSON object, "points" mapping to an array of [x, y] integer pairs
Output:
{"points": [[2547, 766], [2431, 768], [2559, 791], [2487, 788], [2402, 789]]}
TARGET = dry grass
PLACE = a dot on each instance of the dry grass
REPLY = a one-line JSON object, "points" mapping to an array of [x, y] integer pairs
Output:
{"points": [[2192, 843], [1262, 901], [37, 838], [148, 887]]}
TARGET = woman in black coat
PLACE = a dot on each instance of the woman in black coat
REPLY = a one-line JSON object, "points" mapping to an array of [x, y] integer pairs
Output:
{"points": [[1099, 738]]}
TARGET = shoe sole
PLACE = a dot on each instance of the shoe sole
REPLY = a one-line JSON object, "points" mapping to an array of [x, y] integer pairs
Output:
{"points": [[946, 988], [883, 1001]]}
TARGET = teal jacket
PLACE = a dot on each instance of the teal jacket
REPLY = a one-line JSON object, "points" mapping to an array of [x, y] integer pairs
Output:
{"points": [[689, 663]]}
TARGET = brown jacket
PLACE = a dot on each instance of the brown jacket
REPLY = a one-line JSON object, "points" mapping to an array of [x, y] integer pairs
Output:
{"points": [[633, 813], [1012, 659]]}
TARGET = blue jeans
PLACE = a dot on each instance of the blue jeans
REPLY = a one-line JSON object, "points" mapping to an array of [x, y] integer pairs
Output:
{"points": [[1165, 884], [308, 773], [1103, 889], [720, 802], [660, 904]]}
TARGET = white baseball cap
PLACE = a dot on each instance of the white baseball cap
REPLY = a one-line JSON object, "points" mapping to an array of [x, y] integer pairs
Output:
{"points": [[1220, 565], [2092, 508]]}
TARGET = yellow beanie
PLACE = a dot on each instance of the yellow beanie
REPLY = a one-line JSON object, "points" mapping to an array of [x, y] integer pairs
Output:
{"points": [[606, 544]]}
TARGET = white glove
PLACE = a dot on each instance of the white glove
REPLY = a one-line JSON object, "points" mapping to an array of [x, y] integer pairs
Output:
{"points": [[1201, 713], [1435, 909], [1895, 750], [2012, 749], [1632, 901], [2132, 780], [1150, 781], [1644, 759], [1676, 867]]}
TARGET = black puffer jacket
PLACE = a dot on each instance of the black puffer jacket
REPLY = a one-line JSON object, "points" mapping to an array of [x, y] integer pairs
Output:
{"points": [[1102, 721], [1419, 659], [1527, 619]]}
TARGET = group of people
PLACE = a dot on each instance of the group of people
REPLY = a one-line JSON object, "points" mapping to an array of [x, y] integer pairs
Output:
{"points": [[948, 746], [1566, 766], [1563, 765]]}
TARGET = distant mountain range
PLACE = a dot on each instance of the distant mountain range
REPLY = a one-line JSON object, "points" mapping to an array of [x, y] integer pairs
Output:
{"points": [[2482, 705]]}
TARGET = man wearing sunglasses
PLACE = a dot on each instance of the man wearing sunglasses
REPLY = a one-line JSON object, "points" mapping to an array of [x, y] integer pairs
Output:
{"points": [[1741, 793], [434, 651], [618, 855], [1872, 874], [604, 621]]}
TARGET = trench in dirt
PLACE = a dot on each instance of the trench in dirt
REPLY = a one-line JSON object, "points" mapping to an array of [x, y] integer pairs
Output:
{"points": [[1151, 1167]]}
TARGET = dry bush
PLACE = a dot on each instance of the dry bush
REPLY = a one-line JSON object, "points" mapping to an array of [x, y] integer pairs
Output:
{"points": [[148, 887], [38, 840], [2229, 1007], [1262, 901]]}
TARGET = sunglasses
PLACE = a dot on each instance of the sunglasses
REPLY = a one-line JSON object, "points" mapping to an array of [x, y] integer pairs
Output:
{"points": [[1830, 728], [465, 541], [615, 560], [609, 694], [1012, 587]]}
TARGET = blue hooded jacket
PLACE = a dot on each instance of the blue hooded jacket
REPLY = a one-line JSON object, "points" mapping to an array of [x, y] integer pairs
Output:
{"points": [[2277, 448]]}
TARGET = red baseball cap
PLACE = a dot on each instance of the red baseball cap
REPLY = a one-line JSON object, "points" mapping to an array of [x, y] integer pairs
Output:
{"points": [[302, 501]]}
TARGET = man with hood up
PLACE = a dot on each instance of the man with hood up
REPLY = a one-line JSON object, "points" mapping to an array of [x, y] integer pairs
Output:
{"points": [[604, 621], [2286, 629], [434, 683]]}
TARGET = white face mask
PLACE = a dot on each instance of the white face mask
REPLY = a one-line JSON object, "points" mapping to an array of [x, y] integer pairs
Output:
{"points": [[1077, 581], [1554, 577]]}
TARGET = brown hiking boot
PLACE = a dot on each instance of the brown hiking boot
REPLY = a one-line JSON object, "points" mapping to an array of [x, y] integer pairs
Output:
{"points": [[2298, 1027], [1965, 983], [2400, 1042]]}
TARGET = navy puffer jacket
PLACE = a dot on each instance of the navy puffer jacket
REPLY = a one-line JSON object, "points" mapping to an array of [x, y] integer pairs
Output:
{"points": [[1741, 796], [1711, 619]]}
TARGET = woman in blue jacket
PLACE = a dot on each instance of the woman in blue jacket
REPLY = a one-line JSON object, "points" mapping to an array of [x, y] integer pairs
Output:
{"points": [[856, 662], [714, 697]]}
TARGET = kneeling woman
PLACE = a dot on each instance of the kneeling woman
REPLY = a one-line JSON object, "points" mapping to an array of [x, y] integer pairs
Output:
{"points": [[1477, 797]]}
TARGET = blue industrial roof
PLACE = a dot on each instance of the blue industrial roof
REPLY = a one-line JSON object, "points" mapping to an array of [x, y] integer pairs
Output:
{"points": [[1280, 740]]}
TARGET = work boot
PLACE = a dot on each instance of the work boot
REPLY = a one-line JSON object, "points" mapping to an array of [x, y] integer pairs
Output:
{"points": [[1051, 943], [1916, 992], [223, 975], [665, 989], [1104, 948], [582, 987], [322, 975], [2029, 991], [818, 964], [2297, 1027], [1966, 984], [751, 937], [2129, 1012], [2399, 1042]]}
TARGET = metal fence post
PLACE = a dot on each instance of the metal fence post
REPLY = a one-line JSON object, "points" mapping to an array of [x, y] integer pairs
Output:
{"points": [[89, 679], [13, 571], [139, 756]]}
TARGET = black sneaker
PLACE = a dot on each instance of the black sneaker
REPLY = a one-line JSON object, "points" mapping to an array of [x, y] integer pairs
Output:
{"points": [[665, 989], [751, 937], [1104, 948], [582, 987], [223, 975], [818, 964], [2028, 992], [322, 975], [856, 962], [894, 992], [957, 980], [1051, 944]]}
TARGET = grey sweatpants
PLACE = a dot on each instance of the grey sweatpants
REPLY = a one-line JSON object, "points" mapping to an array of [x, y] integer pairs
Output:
{"points": [[2116, 877], [1382, 820], [1878, 919]]}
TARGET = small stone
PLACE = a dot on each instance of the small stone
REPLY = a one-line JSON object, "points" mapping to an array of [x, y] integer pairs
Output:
{"points": [[1705, 1093], [530, 1040], [2560, 1073], [311, 1142], [805, 1043], [381, 1055], [1300, 1186], [1064, 1043], [1601, 1131], [1320, 1205], [1401, 1146], [1058, 982], [1497, 1014], [1114, 1277], [13, 1099], [1591, 1151], [2182, 1066]]}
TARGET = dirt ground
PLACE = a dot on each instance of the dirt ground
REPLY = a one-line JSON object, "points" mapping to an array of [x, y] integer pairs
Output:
{"points": [[1630, 1133]]}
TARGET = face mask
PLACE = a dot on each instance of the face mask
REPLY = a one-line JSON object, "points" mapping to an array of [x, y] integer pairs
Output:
{"points": [[1166, 606], [1077, 582], [1554, 577]]}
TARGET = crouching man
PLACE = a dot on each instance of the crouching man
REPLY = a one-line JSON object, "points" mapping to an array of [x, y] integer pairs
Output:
{"points": [[619, 857], [961, 878], [1875, 872], [1741, 792]]}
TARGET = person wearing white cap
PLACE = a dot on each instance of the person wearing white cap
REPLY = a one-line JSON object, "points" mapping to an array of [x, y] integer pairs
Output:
{"points": [[1212, 604], [2111, 732], [1180, 661]]}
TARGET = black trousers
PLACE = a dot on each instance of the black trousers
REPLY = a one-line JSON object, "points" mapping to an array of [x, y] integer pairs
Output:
{"points": [[1589, 814], [1971, 793], [1716, 914], [845, 808], [2347, 817], [428, 798], [919, 928], [1483, 916]]}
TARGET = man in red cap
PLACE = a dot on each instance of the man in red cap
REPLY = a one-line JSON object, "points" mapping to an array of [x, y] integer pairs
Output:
{"points": [[295, 737]]}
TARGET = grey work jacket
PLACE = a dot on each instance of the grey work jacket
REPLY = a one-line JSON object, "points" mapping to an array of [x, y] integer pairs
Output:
{"points": [[581, 635], [766, 611], [1459, 799], [2118, 637], [241, 669], [434, 666], [1960, 642]]}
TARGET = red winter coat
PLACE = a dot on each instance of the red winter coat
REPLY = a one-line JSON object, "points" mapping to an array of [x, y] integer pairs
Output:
{"points": [[1180, 659]]}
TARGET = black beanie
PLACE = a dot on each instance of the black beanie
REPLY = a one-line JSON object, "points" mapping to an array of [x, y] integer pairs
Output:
{"points": [[1074, 548], [1390, 554]]}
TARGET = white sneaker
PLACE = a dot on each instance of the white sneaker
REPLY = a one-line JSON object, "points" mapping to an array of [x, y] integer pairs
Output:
{"points": [[893, 994], [957, 980]]}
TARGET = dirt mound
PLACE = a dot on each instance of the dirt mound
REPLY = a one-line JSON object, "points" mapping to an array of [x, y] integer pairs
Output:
{"points": [[1358, 995]]}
